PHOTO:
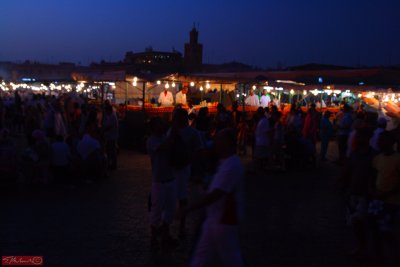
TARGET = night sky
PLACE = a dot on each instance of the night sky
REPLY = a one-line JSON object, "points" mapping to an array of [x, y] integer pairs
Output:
{"points": [[265, 33]]}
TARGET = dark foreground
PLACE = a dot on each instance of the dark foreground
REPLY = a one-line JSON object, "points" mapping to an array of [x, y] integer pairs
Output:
{"points": [[292, 219]]}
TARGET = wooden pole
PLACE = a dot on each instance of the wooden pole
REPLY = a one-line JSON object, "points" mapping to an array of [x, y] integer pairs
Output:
{"points": [[220, 93], [244, 99], [143, 94], [126, 93], [102, 92]]}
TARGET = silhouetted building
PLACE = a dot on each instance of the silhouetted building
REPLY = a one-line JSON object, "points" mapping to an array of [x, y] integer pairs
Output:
{"points": [[150, 57], [35, 71], [193, 57]]}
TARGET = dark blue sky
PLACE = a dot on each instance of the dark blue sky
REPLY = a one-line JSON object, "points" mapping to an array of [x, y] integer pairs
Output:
{"points": [[258, 32]]}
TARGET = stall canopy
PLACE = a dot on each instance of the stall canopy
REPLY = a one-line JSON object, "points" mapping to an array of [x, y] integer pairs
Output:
{"points": [[91, 76]]}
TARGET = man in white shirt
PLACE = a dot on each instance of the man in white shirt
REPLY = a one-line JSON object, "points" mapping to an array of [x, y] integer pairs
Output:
{"points": [[180, 97], [224, 203], [252, 99], [265, 99], [163, 186], [166, 99]]}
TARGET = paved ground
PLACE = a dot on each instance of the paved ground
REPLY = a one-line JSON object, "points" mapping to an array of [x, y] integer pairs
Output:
{"points": [[292, 219]]}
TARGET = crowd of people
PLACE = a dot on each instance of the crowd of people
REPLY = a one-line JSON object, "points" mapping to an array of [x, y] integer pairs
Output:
{"points": [[68, 140], [62, 139], [366, 153]]}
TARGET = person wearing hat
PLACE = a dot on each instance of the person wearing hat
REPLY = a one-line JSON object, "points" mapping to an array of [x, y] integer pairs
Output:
{"points": [[166, 99], [180, 97]]}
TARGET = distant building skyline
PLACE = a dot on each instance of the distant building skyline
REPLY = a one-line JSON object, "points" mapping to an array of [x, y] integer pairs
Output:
{"points": [[262, 33]]}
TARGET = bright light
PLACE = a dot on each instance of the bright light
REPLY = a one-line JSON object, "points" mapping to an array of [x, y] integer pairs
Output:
{"points": [[268, 88], [167, 85], [192, 84], [159, 82], [337, 91], [237, 95], [254, 87], [173, 84], [134, 83], [288, 81], [292, 92], [329, 92], [135, 79], [208, 86], [201, 88], [385, 98], [359, 95], [347, 93]]}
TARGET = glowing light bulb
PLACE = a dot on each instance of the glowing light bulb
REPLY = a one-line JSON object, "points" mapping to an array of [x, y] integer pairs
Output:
{"points": [[158, 82], [292, 92], [167, 85], [173, 84], [192, 84], [208, 86], [201, 88]]}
